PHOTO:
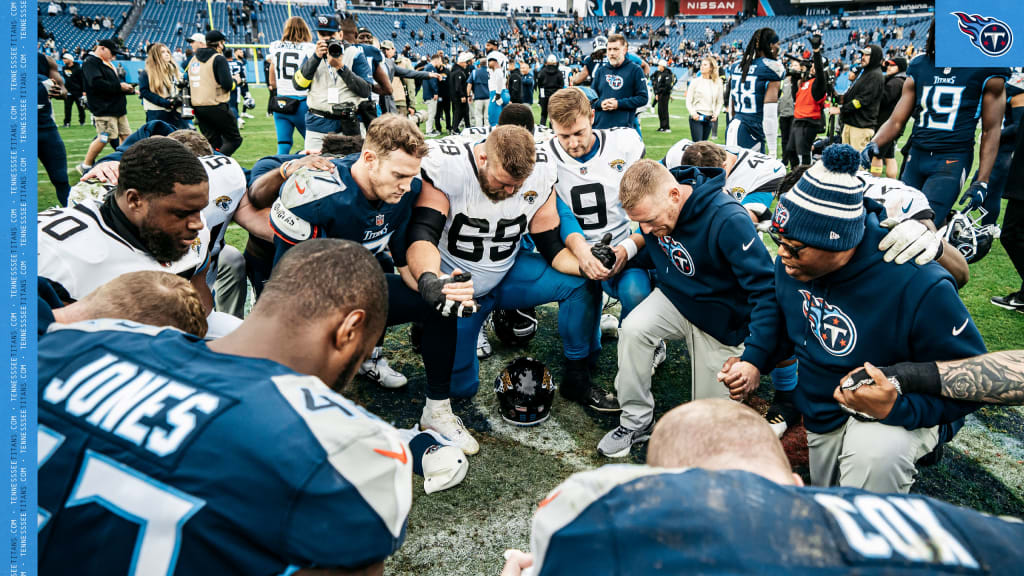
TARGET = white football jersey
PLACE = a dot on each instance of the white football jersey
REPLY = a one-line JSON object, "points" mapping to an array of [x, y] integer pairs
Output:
{"points": [[227, 186], [751, 171], [481, 236], [81, 252], [591, 188], [287, 58], [900, 200], [541, 134]]}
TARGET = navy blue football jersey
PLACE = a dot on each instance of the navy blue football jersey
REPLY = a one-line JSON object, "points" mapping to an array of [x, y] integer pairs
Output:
{"points": [[628, 519], [747, 97], [318, 204], [160, 457], [948, 103]]}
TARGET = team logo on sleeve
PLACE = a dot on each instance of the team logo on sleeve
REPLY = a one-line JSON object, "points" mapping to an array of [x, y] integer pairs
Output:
{"points": [[223, 202], [738, 192], [530, 196], [614, 81], [677, 254], [834, 329], [993, 37], [619, 165]]}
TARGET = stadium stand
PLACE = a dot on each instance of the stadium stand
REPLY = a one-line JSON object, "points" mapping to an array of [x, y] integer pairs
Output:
{"points": [[69, 37]]}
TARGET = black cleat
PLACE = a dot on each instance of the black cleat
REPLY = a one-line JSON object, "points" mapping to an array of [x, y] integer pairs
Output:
{"points": [[1013, 301]]}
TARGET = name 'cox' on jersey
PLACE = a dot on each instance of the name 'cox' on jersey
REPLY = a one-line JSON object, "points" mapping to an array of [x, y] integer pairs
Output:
{"points": [[481, 236], [747, 97], [590, 185], [947, 103]]}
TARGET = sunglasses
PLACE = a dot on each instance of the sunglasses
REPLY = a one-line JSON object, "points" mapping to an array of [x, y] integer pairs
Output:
{"points": [[794, 251]]}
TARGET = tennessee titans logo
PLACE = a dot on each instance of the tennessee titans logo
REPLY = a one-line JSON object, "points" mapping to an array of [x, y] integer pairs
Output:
{"points": [[780, 218], [614, 81], [834, 329], [677, 254], [621, 8], [993, 37]]}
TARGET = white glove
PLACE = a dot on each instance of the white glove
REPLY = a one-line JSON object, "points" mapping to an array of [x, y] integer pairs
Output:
{"points": [[909, 239]]}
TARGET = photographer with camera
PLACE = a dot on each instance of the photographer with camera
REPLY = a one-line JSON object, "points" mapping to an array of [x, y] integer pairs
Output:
{"points": [[338, 79], [808, 104], [106, 95], [160, 87], [211, 84]]}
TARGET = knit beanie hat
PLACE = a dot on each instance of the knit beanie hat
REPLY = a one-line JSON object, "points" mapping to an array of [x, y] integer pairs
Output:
{"points": [[826, 207]]}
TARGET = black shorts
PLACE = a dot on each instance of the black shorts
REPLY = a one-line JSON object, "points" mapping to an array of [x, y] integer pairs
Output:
{"points": [[887, 151]]}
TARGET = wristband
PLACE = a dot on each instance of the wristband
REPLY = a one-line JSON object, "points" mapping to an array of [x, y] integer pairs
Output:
{"points": [[631, 248], [284, 169], [917, 377]]}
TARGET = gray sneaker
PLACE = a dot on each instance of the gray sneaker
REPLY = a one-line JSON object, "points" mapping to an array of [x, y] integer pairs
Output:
{"points": [[617, 443]]}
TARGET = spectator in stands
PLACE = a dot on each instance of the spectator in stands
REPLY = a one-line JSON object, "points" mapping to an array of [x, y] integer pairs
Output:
{"points": [[158, 87], [461, 93], [549, 81], [211, 85], [74, 83], [106, 95], [859, 111], [662, 82], [336, 83], [895, 76], [481, 95], [620, 87]]}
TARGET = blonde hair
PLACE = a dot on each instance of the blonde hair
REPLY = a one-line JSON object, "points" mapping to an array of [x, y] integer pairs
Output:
{"points": [[568, 104], [714, 67], [296, 30], [512, 147], [150, 297], [641, 180], [162, 75], [390, 132]]}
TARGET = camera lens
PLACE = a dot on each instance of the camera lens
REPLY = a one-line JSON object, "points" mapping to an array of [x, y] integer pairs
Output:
{"points": [[335, 49]]}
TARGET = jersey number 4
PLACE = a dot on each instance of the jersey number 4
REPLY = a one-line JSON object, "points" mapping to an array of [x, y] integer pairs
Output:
{"points": [[161, 511], [506, 236]]}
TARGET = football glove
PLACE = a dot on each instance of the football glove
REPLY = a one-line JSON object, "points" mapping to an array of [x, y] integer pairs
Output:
{"points": [[430, 287], [909, 239], [870, 151], [976, 195], [603, 252]]}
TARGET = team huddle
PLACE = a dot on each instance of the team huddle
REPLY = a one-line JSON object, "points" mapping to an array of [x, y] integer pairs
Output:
{"points": [[386, 229]]}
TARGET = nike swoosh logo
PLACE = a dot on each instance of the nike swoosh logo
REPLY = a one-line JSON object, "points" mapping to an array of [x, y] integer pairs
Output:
{"points": [[300, 189], [777, 168], [906, 207], [957, 331], [748, 244], [400, 456], [548, 500], [951, 161]]}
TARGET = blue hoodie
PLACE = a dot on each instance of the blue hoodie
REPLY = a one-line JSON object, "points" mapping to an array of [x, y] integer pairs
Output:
{"points": [[430, 84], [479, 79], [879, 312], [625, 84], [716, 271]]}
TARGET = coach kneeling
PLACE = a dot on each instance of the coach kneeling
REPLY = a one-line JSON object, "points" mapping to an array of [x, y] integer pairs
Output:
{"points": [[842, 305]]}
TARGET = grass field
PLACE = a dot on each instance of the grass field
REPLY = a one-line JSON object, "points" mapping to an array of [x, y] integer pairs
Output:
{"points": [[465, 530]]}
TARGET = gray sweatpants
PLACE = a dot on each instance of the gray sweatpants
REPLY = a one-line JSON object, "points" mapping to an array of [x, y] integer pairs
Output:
{"points": [[478, 112], [869, 455], [229, 289], [655, 319]]}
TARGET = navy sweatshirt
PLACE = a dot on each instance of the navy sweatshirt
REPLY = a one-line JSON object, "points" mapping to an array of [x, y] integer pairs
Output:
{"points": [[716, 271], [878, 312], [625, 84]]}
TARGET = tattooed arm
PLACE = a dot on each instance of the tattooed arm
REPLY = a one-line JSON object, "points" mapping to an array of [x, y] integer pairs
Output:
{"points": [[994, 378]]}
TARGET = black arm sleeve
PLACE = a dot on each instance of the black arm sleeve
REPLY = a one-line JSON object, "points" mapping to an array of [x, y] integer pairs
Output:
{"points": [[549, 244], [427, 224], [818, 88], [222, 72], [358, 85]]}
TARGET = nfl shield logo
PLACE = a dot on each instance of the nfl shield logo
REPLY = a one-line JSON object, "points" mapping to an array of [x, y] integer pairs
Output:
{"points": [[583, 170], [380, 219]]}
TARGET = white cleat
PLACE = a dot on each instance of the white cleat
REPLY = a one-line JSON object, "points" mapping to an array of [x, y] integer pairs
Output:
{"points": [[376, 368], [610, 325], [660, 355], [438, 416], [483, 345]]}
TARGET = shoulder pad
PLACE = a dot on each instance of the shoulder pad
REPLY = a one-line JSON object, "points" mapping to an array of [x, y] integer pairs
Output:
{"points": [[775, 66]]}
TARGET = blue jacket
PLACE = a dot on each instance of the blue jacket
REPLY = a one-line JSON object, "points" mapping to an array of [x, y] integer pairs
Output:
{"points": [[430, 88], [878, 312], [479, 79], [528, 88], [716, 271], [625, 84]]}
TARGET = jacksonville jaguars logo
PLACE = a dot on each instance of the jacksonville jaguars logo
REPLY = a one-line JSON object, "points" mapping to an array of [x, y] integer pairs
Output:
{"points": [[834, 329], [780, 218], [223, 202], [738, 192], [677, 254], [530, 196], [614, 81], [993, 37], [618, 165]]}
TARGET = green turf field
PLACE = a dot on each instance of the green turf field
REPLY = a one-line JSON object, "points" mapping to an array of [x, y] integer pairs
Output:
{"points": [[465, 530]]}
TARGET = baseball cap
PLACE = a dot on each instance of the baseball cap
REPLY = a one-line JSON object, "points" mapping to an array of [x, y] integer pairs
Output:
{"points": [[109, 44], [215, 36], [326, 23], [197, 37], [363, 30], [662, 63], [387, 44], [466, 57], [443, 467], [492, 41], [552, 59]]}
